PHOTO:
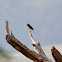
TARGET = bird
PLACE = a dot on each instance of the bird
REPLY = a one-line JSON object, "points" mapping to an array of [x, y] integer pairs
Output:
{"points": [[30, 27]]}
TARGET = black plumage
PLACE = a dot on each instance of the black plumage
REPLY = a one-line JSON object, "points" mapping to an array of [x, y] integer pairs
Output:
{"points": [[30, 27]]}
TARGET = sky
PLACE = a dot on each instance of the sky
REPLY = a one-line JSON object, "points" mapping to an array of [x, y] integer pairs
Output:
{"points": [[45, 16]]}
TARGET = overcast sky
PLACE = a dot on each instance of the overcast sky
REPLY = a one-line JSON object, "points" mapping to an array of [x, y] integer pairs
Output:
{"points": [[44, 15]]}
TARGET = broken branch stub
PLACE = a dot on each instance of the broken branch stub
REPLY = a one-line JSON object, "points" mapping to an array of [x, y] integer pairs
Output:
{"points": [[56, 54]]}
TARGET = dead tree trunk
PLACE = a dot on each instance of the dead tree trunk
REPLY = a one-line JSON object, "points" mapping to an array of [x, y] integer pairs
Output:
{"points": [[36, 57]]}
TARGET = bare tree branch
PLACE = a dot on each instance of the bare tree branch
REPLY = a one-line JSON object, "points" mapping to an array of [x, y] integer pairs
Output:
{"points": [[38, 48], [40, 56], [56, 54], [7, 29], [21, 48]]}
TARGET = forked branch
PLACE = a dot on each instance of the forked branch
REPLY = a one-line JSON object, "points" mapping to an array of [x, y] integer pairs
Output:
{"points": [[40, 56], [22, 48], [38, 48]]}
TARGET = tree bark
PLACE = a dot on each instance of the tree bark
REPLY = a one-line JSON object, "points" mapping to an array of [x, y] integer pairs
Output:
{"points": [[56, 55], [38, 56]]}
